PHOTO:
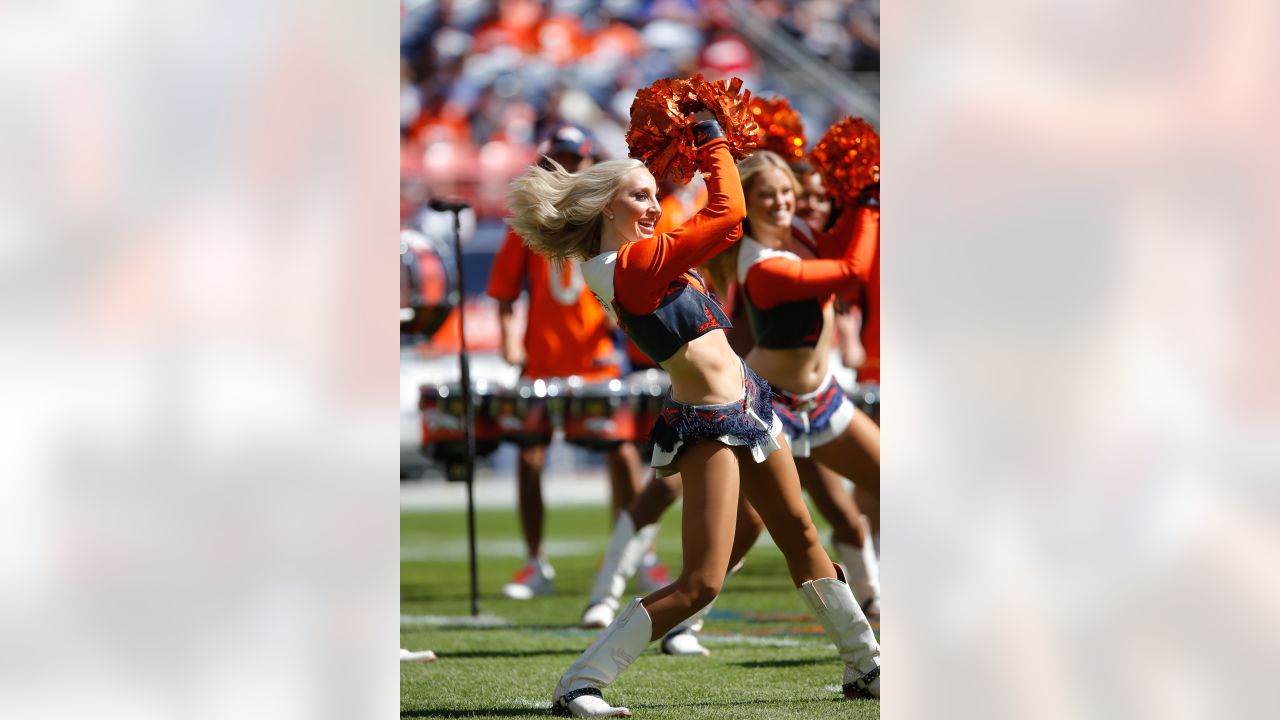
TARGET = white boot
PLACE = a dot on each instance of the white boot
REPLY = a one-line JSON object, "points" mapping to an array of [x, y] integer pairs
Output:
{"points": [[626, 547], [683, 641], [683, 638], [873, 537], [578, 692], [599, 614], [833, 604], [862, 570]]}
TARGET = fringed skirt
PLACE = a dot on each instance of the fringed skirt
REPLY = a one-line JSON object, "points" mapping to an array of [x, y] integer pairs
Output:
{"points": [[813, 419], [749, 421]]}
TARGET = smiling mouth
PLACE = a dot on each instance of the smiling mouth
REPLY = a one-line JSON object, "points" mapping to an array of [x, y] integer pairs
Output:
{"points": [[647, 225]]}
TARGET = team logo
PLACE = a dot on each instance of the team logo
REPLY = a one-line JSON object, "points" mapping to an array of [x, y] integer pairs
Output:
{"points": [[567, 284]]}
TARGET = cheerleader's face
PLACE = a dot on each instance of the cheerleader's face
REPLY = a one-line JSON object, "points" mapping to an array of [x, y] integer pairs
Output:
{"points": [[771, 199], [813, 206], [634, 210]]}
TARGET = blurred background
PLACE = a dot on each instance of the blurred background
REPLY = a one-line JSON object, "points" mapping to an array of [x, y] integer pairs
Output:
{"points": [[482, 81]]}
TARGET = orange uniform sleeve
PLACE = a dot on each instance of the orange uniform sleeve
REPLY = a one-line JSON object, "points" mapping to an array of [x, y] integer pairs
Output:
{"points": [[834, 242], [779, 280], [508, 269], [646, 267]]}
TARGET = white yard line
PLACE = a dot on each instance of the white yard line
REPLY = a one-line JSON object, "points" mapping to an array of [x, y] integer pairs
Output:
{"points": [[456, 620], [761, 640], [498, 490], [413, 550]]}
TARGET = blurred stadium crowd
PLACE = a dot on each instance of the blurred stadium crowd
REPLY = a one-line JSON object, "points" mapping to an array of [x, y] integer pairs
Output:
{"points": [[482, 80]]}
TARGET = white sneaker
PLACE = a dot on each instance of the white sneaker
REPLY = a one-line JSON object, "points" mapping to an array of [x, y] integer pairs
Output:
{"points": [[683, 641], [599, 615], [419, 656], [532, 579]]}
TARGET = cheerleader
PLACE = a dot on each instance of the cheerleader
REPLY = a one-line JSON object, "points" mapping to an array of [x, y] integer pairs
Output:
{"points": [[717, 427], [638, 524], [789, 273]]}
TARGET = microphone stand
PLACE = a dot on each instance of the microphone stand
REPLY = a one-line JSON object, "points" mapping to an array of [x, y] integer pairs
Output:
{"points": [[464, 366]]}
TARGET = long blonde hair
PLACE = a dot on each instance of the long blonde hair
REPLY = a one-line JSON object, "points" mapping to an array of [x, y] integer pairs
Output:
{"points": [[559, 213]]}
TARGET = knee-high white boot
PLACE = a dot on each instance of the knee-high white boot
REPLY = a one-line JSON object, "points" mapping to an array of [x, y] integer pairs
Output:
{"points": [[578, 692], [835, 607], [626, 548], [863, 568]]}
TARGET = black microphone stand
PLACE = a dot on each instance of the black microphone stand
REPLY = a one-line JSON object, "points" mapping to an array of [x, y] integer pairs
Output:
{"points": [[468, 465]]}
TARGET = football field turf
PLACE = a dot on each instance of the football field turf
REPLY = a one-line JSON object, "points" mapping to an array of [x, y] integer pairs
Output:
{"points": [[769, 657]]}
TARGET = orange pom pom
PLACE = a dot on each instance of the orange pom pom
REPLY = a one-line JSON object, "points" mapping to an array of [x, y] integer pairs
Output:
{"points": [[661, 134], [780, 128], [732, 107], [848, 157]]}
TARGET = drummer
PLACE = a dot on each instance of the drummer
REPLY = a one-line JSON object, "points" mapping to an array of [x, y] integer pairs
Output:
{"points": [[567, 333]]}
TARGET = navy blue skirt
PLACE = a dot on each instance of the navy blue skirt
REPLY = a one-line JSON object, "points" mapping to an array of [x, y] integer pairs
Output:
{"points": [[749, 421], [813, 419]]}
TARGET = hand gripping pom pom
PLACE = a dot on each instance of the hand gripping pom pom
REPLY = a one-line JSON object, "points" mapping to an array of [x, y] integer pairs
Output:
{"points": [[848, 157], [780, 128], [661, 133]]}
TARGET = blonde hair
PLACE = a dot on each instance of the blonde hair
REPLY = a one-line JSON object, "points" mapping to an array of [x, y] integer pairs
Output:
{"points": [[723, 268], [559, 213], [762, 160]]}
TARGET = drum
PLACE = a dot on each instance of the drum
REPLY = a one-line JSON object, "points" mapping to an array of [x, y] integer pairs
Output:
{"points": [[529, 412], [443, 421], [649, 388], [867, 397], [599, 415], [428, 283]]}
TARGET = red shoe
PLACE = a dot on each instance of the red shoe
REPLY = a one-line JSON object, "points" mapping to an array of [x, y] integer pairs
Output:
{"points": [[653, 574], [532, 579]]}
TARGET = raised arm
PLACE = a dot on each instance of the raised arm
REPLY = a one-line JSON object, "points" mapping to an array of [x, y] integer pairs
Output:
{"points": [[835, 242], [645, 268], [778, 280]]}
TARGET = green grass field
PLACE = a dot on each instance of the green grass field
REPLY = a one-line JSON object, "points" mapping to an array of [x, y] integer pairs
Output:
{"points": [[769, 658]]}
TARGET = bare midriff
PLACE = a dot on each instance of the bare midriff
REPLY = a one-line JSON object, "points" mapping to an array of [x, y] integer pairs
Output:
{"points": [[705, 371], [797, 370]]}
